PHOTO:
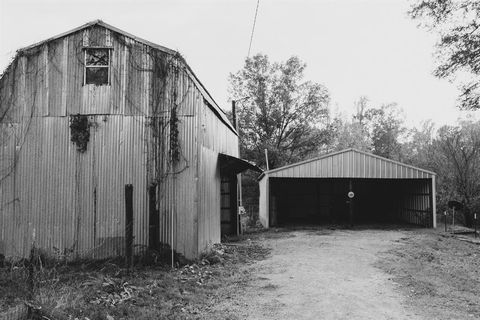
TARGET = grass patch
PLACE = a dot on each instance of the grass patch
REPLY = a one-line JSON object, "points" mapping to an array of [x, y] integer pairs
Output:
{"points": [[105, 290], [438, 272]]}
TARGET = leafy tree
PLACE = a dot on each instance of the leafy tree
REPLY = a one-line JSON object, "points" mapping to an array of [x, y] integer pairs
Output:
{"points": [[377, 130], [385, 126], [353, 134], [457, 162], [418, 149], [280, 111], [458, 24], [350, 134]]}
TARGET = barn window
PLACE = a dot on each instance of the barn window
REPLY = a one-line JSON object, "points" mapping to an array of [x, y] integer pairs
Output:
{"points": [[97, 66]]}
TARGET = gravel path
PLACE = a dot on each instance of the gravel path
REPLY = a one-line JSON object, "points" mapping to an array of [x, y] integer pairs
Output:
{"points": [[323, 274]]}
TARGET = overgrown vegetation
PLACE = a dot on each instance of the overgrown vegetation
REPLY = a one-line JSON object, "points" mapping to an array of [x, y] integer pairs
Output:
{"points": [[438, 273], [98, 290], [80, 131]]}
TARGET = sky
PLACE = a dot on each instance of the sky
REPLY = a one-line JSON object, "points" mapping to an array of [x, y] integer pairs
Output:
{"points": [[353, 47]]}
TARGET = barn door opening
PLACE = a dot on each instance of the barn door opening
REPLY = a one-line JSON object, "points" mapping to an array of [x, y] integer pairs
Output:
{"points": [[228, 196]]}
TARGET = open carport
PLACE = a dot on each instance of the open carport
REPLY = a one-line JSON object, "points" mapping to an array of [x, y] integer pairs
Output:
{"points": [[347, 187]]}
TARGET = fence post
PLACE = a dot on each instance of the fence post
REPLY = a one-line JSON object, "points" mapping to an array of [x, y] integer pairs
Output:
{"points": [[453, 221], [128, 224], [445, 219], [475, 222], [31, 273]]}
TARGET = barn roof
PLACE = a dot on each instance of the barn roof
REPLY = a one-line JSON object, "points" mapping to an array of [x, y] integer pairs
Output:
{"points": [[349, 163], [206, 95]]}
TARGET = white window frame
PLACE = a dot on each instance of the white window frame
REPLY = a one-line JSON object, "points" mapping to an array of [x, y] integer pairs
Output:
{"points": [[85, 66]]}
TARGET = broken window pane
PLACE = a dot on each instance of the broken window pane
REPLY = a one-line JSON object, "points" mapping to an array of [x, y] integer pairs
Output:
{"points": [[97, 57], [97, 76]]}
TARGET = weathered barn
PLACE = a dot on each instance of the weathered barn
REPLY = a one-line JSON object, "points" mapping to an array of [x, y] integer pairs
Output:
{"points": [[86, 113], [347, 187]]}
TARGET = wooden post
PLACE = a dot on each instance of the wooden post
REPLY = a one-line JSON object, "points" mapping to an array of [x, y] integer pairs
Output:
{"points": [[31, 273], [453, 221], [266, 159], [128, 224], [434, 202], [154, 219], [445, 218], [475, 222], [239, 176]]}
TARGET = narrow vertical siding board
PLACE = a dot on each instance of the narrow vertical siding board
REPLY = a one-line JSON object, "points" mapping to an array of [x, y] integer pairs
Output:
{"points": [[56, 75], [75, 64]]}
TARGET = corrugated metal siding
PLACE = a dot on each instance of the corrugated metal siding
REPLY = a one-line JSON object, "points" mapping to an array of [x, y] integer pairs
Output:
{"points": [[55, 77], [416, 203], [350, 164], [74, 202], [215, 137], [7, 185], [177, 191], [75, 66], [415, 198], [263, 202], [209, 223]]}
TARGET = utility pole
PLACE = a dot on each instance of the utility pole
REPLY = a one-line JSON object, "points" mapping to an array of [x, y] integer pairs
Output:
{"points": [[239, 176]]}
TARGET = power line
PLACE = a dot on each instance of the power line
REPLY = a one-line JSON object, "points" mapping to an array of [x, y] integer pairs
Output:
{"points": [[253, 29]]}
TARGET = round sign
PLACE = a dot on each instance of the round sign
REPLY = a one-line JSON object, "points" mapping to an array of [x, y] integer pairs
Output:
{"points": [[351, 194]]}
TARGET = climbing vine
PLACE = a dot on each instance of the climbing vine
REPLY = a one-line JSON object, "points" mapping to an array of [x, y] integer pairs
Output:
{"points": [[80, 131], [32, 69]]}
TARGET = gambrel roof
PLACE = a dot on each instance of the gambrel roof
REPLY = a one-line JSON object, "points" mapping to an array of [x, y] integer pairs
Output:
{"points": [[349, 163], [206, 95]]}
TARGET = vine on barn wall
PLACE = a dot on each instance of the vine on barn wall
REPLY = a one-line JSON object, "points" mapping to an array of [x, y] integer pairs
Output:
{"points": [[80, 131], [15, 120], [165, 101], [164, 104]]}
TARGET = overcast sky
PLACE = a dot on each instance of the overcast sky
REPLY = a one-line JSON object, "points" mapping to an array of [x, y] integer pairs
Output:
{"points": [[353, 47]]}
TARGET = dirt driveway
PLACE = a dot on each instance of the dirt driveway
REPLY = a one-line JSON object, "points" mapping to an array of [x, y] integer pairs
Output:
{"points": [[324, 274]]}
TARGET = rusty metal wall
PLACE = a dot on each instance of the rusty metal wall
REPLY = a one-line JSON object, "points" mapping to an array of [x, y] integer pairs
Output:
{"points": [[71, 203], [350, 163], [214, 137]]}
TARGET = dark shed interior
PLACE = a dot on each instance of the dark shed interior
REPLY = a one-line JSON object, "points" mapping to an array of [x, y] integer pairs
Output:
{"points": [[300, 201]]}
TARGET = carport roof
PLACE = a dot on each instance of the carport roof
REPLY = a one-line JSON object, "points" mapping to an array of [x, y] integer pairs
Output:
{"points": [[349, 163]]}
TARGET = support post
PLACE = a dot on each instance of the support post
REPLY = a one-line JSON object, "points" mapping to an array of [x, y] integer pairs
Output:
{"points": [[239, 176], [350, 202], [31, 273], [434, 203], [445, 218], [453, 221], [475, 222], [266, 159], [128, 225], [153, 219]]}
